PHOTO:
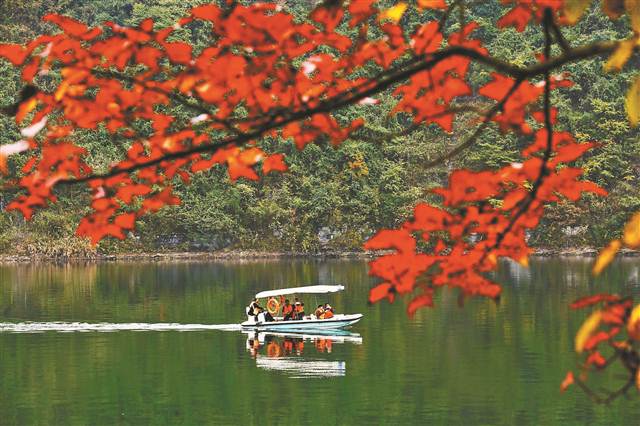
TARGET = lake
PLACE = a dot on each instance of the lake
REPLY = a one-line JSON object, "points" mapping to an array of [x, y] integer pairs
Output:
{"points": [[485, 363]]}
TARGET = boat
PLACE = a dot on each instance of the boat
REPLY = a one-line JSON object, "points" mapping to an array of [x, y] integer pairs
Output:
{"points": [[309, 322]]}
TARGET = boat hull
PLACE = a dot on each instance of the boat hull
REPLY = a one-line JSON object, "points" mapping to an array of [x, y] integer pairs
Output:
{"points": [[337, 322]]}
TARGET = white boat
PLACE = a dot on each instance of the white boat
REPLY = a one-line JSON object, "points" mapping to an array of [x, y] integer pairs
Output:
{"points": [[309, 322]]}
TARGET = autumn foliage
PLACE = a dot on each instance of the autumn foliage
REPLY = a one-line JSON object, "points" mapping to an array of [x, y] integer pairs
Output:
{"points": [[268, 75]]}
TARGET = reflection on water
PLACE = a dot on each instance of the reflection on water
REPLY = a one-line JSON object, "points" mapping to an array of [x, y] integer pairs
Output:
{"points": [[296, 354], [486, 363]]}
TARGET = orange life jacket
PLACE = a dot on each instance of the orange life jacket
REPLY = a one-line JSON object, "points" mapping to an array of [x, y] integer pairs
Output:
{"points": [[327, 315], [287, 309]]}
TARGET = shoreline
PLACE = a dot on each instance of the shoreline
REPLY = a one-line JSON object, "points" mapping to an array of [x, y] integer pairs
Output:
{"points": [[249, 255]]}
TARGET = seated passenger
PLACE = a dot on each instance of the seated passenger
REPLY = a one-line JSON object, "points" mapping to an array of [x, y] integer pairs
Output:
{"points": [[287, 310], [328, 311], [264, 316], [300, 312], [319, 312], [296, 309]]}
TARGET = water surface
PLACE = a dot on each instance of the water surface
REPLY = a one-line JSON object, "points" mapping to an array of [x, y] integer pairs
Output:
{"points": [[482, 364]]}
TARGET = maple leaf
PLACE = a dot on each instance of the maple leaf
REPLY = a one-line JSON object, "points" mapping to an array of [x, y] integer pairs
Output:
{"points": [[273, 163], [329, 14], [568, 381]]}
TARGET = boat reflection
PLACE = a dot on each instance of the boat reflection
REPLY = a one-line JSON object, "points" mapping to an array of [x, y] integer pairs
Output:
{"points": [[296, 354]]}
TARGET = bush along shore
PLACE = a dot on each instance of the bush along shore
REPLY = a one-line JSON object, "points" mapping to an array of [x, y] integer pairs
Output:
{"points": [[253, 255]]}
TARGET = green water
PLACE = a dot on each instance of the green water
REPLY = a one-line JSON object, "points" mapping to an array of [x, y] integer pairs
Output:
{"points": [[483, 364]]}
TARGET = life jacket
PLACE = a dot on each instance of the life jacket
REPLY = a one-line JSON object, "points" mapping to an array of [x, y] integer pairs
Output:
{"points": [[298, 308], [327, 314], [287, 309]]}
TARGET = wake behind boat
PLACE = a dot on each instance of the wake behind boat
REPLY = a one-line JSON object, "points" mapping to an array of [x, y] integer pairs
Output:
{"points": [[292, 318]]}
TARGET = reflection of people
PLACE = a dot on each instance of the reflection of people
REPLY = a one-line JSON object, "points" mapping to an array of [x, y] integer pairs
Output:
{"points": [[253, 344], [287, 310], [288, 346]]}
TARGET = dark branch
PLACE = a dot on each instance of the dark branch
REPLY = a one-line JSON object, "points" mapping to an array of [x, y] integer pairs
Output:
{"points": [[372, 87]]}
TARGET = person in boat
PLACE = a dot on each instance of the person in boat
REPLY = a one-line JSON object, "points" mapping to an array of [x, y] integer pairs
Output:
{"points": [[319, 312], [258, 312], [328, 311], [300, 315], [254, 308], [287, 310]]}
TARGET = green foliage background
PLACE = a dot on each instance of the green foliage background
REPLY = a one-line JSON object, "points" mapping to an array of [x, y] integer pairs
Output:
{"points": [[335, 198]]}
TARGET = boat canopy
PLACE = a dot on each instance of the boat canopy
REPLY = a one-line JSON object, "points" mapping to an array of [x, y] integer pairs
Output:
{"points": [[295, 290]]}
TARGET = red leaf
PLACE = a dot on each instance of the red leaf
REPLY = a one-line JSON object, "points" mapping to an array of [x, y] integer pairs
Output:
{"points": [[209, 12], [592, 300], [14, 53], [517, 17], [596, 359], [398, 239], [126, 193], [126, 220], [422, 301], [274, 162], [361, 11], [146, 25], [379, 292], [595, 340], [178, 52], [328, 15], [156, 202], [72, 27], [427, 38], [432, 4], [568, 381]]}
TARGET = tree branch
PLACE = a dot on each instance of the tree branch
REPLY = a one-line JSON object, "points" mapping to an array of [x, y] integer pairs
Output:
{"points": [[374, 86]]}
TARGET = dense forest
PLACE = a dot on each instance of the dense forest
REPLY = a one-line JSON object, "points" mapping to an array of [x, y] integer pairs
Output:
{"points": [[334, 198]]}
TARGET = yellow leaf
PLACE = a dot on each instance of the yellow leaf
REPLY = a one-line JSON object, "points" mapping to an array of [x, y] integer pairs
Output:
{"points": [[573, 9], [631, 236], [606, 256], [613, 8], [632, 103], [393, 13], [620, 56], [588, 327], [633, 326], [633, 9]]}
